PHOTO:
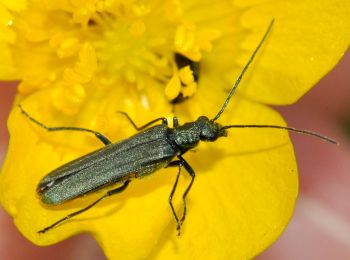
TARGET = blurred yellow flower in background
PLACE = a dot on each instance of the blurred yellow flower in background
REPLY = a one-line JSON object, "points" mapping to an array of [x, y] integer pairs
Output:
{"points": [[78, 62]]}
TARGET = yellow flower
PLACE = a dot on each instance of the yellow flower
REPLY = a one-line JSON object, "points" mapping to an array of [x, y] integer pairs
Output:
{"points": [[79, 62]]}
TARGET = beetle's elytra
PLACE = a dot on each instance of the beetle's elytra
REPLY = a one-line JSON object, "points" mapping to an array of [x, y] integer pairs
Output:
{"points": [[154, 147]]}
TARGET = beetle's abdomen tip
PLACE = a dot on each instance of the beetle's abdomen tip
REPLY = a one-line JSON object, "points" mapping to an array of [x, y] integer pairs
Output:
{"points": [[47, 196], [50, 199]]}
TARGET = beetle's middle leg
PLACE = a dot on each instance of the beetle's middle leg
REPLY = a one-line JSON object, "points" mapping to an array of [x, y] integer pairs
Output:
{"points": [[100, 136], [139, 128], [108, 194]]}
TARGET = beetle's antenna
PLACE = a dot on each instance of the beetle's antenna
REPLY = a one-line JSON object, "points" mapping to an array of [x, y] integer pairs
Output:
{"points": [[300, 131], [243, 72]]}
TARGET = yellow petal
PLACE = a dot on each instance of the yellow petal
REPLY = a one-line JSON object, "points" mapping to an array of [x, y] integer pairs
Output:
{"points": [[68, 99], [15, 5], [235, 198], [8, 70], [307, 40]]}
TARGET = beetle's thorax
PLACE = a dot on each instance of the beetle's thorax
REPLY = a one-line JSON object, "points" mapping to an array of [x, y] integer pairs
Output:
{"points": [[187, 136]]}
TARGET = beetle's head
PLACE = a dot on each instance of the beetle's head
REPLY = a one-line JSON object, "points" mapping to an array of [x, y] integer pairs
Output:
{"points": [[210, 130]]}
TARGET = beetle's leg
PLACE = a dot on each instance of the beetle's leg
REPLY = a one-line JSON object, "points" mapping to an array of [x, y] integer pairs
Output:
{"points": [[100, 136], [193, 175], [175, 121], [138, 128], [179, 164], [108, 194]]}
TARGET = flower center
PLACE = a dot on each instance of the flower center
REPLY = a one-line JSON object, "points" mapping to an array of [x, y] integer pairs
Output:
{"points": [[111, 43], [130, 47]]}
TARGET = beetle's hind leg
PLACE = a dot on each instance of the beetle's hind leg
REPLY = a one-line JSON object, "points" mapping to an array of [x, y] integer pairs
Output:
{"points": [[193, 175], [108, 194], [180, 163], [177, 163], [100, 136]]}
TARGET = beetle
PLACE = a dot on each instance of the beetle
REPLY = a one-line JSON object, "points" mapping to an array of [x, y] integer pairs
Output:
{"points": [[153, 148]]}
